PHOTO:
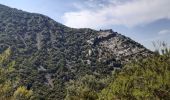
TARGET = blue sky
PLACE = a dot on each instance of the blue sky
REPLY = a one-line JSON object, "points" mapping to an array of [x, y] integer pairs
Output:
{"points": [[144, 21]]}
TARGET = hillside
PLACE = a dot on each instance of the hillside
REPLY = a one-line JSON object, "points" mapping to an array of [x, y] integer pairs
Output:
{"points": [[49, 54]]}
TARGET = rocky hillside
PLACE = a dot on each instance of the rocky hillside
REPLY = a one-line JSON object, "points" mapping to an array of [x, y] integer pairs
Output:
{"points": [[49, 54]]}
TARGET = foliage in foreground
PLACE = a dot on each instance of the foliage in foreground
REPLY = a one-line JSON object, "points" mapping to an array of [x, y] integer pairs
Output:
{"points": [[147, 79], [8, 83]]}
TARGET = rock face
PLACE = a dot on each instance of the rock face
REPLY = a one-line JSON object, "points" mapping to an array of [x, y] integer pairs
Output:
{"points": [[121, 47], [48, 54]]}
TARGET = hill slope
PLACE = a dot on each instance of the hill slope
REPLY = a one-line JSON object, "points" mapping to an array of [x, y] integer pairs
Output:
{"points": [[49, 54]]}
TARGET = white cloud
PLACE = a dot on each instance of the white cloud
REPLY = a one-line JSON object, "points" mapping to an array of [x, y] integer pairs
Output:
{"points": [[163, 32], [132, 13]]}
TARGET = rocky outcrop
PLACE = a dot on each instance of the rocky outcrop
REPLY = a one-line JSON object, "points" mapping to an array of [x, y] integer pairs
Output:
{"points": [[118, 48]]}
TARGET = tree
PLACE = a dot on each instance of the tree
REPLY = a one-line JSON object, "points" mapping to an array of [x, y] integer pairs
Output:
{"points": [[6, 68], [8, 83]]}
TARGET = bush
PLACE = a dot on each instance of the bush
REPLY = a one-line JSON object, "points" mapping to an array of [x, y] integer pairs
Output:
{"points": [[147, 79], [23, 94]]}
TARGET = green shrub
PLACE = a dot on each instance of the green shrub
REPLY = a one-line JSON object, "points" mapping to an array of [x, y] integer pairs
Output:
{"points": [[147, 79]]}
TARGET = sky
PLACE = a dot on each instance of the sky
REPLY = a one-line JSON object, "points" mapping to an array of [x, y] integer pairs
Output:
{"points": [[145, 21]]}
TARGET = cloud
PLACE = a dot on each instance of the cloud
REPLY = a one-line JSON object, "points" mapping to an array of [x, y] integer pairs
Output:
{"points": [[130, 14], [163, 32]]}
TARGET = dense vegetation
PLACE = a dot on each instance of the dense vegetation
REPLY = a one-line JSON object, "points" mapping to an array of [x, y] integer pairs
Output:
{"points": [[9, 89], [145, 79]]}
